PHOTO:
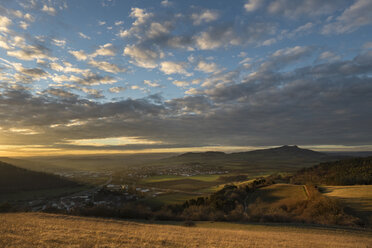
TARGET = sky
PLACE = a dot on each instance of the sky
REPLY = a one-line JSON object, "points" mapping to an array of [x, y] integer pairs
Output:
{"points": [[111, 76]]}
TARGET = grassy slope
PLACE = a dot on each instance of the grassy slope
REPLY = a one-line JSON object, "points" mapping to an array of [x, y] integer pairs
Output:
{"points": [[47, 230], [358, 197], [279, 192]]}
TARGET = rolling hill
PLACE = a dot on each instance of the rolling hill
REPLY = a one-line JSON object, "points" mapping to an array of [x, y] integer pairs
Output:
{"points": [[14, 179]]}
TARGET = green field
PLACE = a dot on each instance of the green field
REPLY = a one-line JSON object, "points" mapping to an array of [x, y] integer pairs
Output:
{"points": [[358, 197], [189, 184]]}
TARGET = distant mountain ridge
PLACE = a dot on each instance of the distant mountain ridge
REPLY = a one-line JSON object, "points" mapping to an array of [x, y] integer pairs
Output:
{"points": [[287, 158], [281, 151]]}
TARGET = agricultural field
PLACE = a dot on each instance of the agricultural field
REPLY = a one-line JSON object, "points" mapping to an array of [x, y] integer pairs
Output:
{"points": [[182, 183], [358, 197], [280, 192], [48, 230]]}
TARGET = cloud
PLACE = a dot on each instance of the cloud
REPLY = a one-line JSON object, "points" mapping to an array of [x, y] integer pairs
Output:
{"points": [[140, 15], [5, 22], [286, 56], [60, 93], [204, 16], [31, 52], [117, 89], [84, 36], [118, 23], [157, 29], [269, 42], [213, 39], [180, 83], [166, 3], [67, 68], [24, 75], [151, 84], [104, 50], [329, 56], [17, 13], [192, 91], [29, 17], [169, 67], [49, 10], [304, 27], [79, 55], [207, 67], [232, 35], [60, 43], [24, 25], [64, 78], [354, 17], [294, 8], [93, 93], [252, 5], [4, 43], [106, 66], [91, 78], [142, 57], [35, 73]]}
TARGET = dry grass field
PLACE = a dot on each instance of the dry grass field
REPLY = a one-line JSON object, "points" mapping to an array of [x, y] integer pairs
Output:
{"points": [[277, 193], [358, 197], [49, 230], [283, 191]]}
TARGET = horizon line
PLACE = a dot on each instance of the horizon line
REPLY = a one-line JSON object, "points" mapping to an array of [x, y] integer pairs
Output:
{"points": [[28, 152]]}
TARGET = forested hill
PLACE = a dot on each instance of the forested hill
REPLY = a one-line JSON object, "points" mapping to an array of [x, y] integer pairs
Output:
{"points": [[343, 172], [14, 179]]}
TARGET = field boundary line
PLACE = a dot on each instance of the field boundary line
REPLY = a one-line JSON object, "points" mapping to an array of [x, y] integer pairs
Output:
{"points": [[306, 191]]}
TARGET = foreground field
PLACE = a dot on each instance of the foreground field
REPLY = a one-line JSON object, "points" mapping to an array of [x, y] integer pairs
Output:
{"points": [[48, 230]]}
